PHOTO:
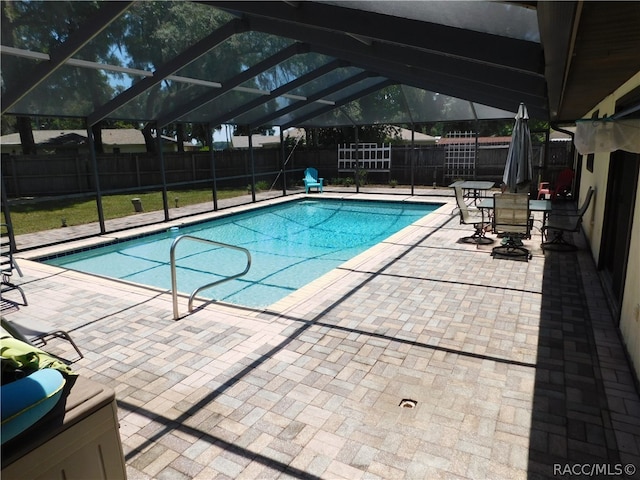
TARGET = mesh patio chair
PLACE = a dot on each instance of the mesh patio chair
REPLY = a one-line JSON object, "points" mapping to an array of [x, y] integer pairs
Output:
{"points": [[472, 216], [511, 219], [560, 223]]}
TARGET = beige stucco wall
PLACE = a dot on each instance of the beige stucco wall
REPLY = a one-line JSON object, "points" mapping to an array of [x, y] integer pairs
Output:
{"points": [[594, 220], [630, 313]]}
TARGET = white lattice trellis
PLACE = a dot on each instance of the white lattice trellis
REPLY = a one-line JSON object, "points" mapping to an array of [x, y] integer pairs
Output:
{"points": [[460, 155], [371, 157]]}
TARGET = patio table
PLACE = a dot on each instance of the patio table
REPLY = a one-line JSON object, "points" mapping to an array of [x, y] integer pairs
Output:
{"points": [[476, 186]]}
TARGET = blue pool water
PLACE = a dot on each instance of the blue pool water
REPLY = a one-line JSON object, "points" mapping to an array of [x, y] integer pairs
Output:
{"points": [[290, 244]]}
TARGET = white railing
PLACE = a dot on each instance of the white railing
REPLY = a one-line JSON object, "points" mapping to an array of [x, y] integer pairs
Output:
{"points": [[174, 277]]}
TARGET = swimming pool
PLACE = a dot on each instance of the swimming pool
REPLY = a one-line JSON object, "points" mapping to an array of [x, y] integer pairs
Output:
{"points": [[291, 244]]}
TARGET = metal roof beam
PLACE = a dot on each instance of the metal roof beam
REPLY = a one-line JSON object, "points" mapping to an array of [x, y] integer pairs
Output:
{"points": [[504, 97], [108, 12], [327, 108], [192, 53], [312, 98], [558, 26], [232, 83], [447, 72], [500, 99], [318, 72], [442, 39]]}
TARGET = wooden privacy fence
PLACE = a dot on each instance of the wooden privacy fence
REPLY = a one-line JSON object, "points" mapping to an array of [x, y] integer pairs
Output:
{"points": [[39, 175], [429, 164], [51, 175]]}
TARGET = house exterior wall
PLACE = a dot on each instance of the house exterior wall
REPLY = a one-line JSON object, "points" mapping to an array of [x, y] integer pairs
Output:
{"points": [[593, 225], [630, 312]]}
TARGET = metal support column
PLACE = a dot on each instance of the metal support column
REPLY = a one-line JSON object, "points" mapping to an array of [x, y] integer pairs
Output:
{"points": [[253, 169], [475, 153], [283, 161], [357, 162], [214, 178], [96, 178], [163, 176], [413, 156]]}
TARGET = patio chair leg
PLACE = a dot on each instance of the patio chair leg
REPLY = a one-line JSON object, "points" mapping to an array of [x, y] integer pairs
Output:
{"points": [[7, 286], [41, 340], [479, 237], [558, 243]]}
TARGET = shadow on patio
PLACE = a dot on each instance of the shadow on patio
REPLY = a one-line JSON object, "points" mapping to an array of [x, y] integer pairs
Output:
{"points": [[513, 367]]}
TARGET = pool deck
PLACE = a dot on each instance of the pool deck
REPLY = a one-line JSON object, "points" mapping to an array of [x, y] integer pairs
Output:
{"points": [[516, 368]]}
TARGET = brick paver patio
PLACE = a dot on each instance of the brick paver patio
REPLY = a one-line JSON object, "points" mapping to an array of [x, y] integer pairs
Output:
{"points": [[515, 368]]}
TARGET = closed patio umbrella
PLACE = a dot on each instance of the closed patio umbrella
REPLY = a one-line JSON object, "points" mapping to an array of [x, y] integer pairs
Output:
{"points": [[518, 171]]}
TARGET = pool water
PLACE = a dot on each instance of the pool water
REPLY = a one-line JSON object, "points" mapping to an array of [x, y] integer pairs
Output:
{"points": [[290, 245]]}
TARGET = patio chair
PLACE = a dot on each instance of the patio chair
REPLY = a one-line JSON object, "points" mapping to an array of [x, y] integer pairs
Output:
{"points": [[311, 180], [37, 333], [562, 186], [8, 264], [560, 222], [511, 219], [472, 216]]}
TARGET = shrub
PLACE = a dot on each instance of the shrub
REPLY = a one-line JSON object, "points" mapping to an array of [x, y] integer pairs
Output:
{"points": [[262, 186]]}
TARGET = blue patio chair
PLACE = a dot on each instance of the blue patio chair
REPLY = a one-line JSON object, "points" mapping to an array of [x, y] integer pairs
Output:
{"points": [[311, 180]]}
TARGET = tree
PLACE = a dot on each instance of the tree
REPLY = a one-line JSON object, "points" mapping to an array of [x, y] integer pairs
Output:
{"points": [[172, 27], [42, 27]]}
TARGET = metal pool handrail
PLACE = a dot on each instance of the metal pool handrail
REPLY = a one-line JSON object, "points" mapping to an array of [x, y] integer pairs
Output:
{"points": [[174, 280]]}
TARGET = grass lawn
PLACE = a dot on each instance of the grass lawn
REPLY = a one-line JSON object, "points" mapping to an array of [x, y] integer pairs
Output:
{"points": [[37, 216]]}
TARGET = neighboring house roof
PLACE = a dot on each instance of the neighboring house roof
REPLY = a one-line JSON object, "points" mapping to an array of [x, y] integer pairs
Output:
{"points": [[418, 137], [242, 141], [481, 140], [132, 136], [556, 136], [110, 136], [405, 135]]}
